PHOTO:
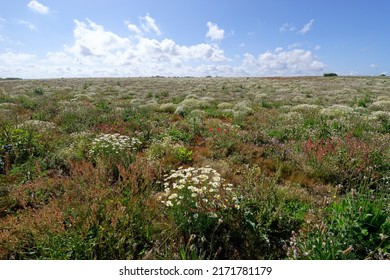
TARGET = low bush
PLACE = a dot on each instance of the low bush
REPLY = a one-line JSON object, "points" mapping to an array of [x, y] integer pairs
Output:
{"points": [[355, 227]]}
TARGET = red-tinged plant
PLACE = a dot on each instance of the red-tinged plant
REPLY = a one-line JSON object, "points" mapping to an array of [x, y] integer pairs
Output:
{"points": [[339, 160], [223, 139]]}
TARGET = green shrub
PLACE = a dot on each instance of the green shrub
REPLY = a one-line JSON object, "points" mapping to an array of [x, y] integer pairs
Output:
{"points": [[179, 135], [363, 101], [184, 155], [103, 106], [270, 214], [344, 160], [223, 140], [75, 117], [128, 238], [165, 150], [356, 227], [38, 91], [27, 102], [17, 145]]}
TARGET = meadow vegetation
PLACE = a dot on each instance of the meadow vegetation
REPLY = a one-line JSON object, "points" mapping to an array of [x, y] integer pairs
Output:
{"points": [[195, 168]]}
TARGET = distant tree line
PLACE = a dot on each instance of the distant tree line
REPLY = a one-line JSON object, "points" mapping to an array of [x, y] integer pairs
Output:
{"points": [[335, 75], [11, 78], [330, 75]]}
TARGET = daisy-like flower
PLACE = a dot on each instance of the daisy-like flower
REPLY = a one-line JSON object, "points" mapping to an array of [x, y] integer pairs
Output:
{"points": [[201, 190], [106, 144]]}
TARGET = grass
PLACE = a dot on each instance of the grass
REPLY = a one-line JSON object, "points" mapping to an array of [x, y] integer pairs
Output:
{"points": [[195, 168]]}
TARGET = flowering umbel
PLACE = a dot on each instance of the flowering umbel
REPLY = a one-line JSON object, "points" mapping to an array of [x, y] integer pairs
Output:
{"points": [[199, 190], [112, 144]]}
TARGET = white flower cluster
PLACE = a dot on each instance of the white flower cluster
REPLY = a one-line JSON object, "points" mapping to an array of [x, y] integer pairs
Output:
{"points": [[113, 144], [337, 110], [306, 108], [39, 125], [199, 190]]}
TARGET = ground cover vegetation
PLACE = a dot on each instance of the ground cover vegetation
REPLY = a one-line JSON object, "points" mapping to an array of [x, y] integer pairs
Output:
{"points": [[195, 168]]}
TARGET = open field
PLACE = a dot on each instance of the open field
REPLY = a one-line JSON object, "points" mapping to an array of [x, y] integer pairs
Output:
{"points": [[195, 168]]}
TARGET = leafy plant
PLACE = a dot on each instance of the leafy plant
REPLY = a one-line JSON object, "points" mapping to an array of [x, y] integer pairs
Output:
{"points": [[38, 91], [184, 155], [340, 160], [356, 227], [17, 146]]}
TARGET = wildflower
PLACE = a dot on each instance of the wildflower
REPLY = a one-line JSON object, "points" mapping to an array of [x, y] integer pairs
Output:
{"points": [[169, 203], [383, 236], [199, 189], [195, 180], [112, 143], [213, 215], [203, 177]]}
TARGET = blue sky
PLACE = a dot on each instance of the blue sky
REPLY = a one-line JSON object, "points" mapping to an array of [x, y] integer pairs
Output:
{"points": [[104, 38]]}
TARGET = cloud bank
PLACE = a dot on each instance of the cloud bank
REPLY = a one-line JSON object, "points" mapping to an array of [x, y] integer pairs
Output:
{"points": [[96, 51]]}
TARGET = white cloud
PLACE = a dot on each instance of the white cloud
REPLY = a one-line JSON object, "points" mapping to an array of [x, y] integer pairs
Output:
{"points": [[96, 48], [307, 27], [97, 51], [287, 27], [133, 28], [317, 47], [7, 40], [374, 66], [148, 23], [202, 52], [58, 57], [278, 49], [11, 58], [2, 21], [214, 33], [92, 40], [295, 46], [37, 7], [283, 63], [28, 24]]}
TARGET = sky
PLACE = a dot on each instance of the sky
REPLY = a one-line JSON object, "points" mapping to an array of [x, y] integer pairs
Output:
{"points": [[132, 38]]}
